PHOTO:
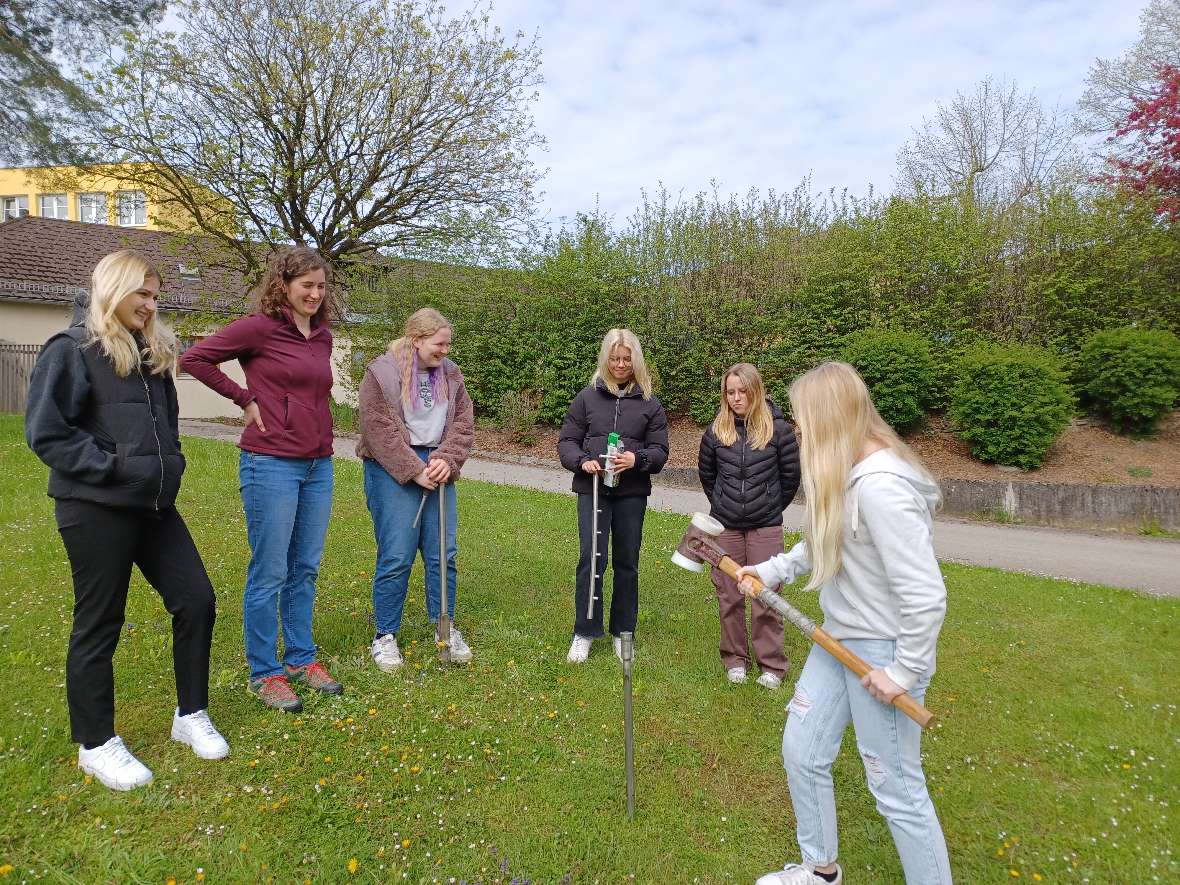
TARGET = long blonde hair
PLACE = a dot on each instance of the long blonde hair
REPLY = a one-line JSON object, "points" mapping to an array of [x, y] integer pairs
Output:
{"points": [[640, 377], [422, 323], [834, 417], [759, 420], [114, 277]]}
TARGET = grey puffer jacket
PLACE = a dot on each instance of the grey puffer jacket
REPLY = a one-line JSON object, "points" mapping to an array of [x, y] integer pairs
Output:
{"points": [[106, 439], [640, 423], [749, 488]]}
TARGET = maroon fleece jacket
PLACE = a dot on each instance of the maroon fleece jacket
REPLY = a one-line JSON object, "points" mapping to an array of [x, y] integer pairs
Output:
{"points": [[289, 376]]}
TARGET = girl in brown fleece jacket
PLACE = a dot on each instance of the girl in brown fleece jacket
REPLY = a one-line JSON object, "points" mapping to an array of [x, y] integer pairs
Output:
{"points": [[417, 428]]}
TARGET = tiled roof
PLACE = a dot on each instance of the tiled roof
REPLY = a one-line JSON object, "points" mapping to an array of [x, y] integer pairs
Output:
{"points": [[49, 259]]}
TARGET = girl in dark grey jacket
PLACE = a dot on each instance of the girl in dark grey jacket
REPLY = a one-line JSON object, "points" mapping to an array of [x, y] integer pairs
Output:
{"points": [[102, 414], [749, 467], [618, 400]]}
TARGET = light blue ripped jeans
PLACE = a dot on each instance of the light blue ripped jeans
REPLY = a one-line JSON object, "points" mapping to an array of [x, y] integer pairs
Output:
{"points": [[827, 697]]}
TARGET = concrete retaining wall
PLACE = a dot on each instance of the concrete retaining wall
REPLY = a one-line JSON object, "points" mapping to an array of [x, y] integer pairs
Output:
{"points": [[1121, 508]]}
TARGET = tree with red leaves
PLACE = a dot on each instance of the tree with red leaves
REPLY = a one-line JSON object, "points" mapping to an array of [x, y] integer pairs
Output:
{"points": [[1149, 163]]}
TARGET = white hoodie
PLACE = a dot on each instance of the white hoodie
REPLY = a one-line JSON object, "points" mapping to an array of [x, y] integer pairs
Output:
{"points": [[889, 585]]}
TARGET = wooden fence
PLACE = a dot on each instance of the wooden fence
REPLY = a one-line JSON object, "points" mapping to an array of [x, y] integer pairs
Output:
{"points": [[16, 365]]}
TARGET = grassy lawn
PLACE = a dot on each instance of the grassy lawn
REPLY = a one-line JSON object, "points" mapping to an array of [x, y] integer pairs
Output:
{"points": [[1056, 758]]}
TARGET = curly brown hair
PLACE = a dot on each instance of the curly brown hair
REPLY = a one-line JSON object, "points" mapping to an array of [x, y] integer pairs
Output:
{"points": [[271, 295]]}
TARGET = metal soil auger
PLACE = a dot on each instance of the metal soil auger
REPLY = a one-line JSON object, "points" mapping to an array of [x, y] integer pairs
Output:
{"points": [[699, 545], [613, 447], [627, 640], [444, 612]]}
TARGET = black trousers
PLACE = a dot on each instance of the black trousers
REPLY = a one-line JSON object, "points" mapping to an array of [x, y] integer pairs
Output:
{"points": [[102, 544], [620, 520]]}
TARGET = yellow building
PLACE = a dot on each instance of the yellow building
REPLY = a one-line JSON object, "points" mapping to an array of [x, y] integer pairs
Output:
{"points": [[65, 193]]}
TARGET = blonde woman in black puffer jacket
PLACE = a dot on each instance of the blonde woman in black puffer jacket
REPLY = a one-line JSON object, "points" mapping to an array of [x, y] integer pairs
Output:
{"points": [[749, 467]]}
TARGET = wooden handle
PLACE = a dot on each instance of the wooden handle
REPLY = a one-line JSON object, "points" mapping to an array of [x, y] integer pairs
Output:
{"points": [[904, 701]]}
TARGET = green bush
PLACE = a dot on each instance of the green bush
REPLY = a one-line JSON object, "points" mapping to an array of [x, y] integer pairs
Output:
{"points": [[1130, 376], [899, 371], [518, 414], [1010, 404]]}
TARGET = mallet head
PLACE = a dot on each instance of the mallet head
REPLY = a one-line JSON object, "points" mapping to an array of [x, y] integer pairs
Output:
{"points": [[692, 553]]}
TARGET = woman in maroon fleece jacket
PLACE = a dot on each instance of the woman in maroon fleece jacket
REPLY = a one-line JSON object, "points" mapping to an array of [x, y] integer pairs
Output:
{"points": [[285, 467]]}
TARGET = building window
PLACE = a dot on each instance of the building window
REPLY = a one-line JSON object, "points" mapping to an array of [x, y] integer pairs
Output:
{"points": [[13, 207], [131, 207], [55, 206], [92, 208]]}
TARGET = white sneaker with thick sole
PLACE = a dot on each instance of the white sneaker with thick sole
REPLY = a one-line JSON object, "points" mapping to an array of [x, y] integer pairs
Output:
{"points": [[619, 649], [113, 765], [769, 680], [197, 730], [386, 655], [460, 650], [736, 675], [579, 650], [797, 874]]}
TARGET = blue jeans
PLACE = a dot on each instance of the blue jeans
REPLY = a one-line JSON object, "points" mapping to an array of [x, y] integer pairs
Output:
{"points": [[393, 507], [288, 502], [827, 697]]}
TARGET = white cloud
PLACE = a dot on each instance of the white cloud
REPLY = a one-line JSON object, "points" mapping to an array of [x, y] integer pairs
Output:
{"points": [[761, 94]]}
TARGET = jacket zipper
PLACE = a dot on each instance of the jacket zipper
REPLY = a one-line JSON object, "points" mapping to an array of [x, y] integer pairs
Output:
{"points": [[156, 434]]}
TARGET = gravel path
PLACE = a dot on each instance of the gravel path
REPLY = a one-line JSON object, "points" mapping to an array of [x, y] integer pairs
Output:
{"points": [[1136, 563]]}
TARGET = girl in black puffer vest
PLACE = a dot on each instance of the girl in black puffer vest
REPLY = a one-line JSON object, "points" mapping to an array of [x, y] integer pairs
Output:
{"points": [[749, 468], [618, 400], [102, 414]]}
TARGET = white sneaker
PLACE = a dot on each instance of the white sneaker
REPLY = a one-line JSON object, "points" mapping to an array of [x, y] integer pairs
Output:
{"points": [[736, 675], [113, 764], [797, 874], [460, 650], [197, 730], [386, 655], [579, 649], [769, 680], [619, 649]]}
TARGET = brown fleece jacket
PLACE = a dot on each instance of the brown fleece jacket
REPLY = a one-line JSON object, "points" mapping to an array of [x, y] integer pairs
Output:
{"points": [[384, 437]]}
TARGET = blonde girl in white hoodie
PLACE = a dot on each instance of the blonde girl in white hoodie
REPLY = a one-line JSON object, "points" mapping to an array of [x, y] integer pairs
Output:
{"points": [[867, 543]]}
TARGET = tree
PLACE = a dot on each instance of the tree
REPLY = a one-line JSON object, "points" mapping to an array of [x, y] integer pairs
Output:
{"points": [[35, 93], [995, 145], [1113, 85], [346, 125], [1148, 159]]}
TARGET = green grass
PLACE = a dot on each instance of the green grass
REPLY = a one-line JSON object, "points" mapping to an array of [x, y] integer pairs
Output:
{"points": [[1057, 752]]}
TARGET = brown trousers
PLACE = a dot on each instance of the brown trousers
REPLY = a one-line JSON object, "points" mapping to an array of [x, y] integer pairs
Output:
{"points": [[749, 547]]}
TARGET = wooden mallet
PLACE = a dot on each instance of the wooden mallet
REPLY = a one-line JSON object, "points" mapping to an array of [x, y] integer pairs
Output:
{"points": [[699, 545]]}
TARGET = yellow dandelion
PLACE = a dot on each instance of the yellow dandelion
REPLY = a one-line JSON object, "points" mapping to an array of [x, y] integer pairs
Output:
{"points": [[405, 843], [170, 881], [323, 781], [327, 758], [1015, 874], [352, 866], [1037, 877], [5, 869], [372, 711]]}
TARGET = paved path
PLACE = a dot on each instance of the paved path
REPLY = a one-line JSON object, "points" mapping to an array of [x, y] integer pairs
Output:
{"points": [[1148, 564]]}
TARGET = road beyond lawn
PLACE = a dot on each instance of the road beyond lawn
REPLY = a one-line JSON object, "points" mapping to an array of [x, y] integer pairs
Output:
{"points": [[1136, 563]]}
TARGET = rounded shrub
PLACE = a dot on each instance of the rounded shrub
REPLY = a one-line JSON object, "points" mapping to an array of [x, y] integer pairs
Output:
{"points": [[1010, 404], [899, 371], [1130, 376]]}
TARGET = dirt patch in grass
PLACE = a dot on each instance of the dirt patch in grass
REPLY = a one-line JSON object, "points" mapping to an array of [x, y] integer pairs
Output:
{"points": [[1087, 452]]}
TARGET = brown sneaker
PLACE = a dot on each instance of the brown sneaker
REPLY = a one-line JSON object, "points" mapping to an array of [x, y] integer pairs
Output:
{"points": [[275, 691], [315, 676]]}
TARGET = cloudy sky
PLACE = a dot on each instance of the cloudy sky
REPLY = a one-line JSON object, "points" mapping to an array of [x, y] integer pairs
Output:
{"points": [[761, 94]]}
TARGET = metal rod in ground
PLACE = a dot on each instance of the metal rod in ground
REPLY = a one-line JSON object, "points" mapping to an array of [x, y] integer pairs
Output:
{"points": [[444, 612], [593, 549], [627, 640]]}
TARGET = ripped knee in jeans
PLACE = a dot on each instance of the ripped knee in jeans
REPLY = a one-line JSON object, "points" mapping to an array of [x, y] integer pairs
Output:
{"points": [[800, 704], [874, 767]]}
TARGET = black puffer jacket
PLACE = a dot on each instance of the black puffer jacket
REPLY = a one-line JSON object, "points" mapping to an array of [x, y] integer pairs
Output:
{"points": [[106, 439], [640, 423], [749, 488]]}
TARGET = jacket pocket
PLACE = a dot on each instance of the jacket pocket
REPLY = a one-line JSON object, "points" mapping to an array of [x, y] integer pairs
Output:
{"points": [[134, 470], [304, 423]]}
